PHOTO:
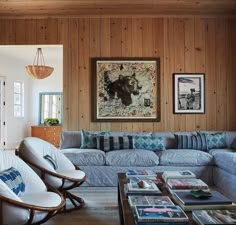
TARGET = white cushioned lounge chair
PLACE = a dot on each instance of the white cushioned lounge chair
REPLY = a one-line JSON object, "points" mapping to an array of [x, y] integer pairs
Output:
{"points": [[54, 168], [24, 198]]}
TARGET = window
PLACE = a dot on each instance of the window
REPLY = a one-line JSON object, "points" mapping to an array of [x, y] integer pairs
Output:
{"points": [[18, 99]]}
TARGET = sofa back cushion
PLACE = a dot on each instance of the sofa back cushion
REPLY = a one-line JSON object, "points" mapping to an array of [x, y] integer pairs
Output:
{"points": [[70, 139]]}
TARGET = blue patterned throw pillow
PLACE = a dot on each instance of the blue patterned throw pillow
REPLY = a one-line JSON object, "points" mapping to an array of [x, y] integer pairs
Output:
{"points": [[197, 142], [216, 140], [89, 139], [13, 179], [233, 145], [149, 143], [108, 143]]}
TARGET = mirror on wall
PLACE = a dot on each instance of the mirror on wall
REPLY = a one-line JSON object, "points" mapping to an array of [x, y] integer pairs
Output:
{"points": [[50, 106]]}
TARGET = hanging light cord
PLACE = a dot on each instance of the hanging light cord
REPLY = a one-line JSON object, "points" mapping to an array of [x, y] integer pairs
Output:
{"points": [[39, 57]]}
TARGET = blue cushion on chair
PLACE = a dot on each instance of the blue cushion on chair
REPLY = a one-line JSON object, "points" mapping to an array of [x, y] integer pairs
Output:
{"points": [[149, 143], [12, 178], [52, 162]]}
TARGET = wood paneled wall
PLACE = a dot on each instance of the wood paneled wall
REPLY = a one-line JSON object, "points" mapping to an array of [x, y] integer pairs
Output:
{"points": [[183, 44]]}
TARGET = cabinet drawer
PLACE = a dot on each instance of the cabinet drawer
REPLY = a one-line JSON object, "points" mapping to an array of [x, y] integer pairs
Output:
{"points": [[50, 134]]}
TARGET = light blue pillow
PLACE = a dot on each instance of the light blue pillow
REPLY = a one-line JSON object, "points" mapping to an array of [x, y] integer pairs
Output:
{"points": [[233, 145], [89, 139], [216, 140], [149, 143], [13, 179]]}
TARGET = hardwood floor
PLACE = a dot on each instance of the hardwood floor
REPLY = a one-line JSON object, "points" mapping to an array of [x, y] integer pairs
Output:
{"points": [[101, 208]]}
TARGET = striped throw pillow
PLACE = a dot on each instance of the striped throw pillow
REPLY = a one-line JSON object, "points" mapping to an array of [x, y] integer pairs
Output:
{"points": [[108, 143], [13, 179], [197, 142]]}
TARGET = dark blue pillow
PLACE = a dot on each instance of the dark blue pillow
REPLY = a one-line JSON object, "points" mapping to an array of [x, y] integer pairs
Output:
{"points": [[13, 179], [108, 143], [233, 145], [51, 161], [193, 141]]}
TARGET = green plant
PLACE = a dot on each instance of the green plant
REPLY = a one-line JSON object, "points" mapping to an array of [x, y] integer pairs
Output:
{"points": [[51, 121]]}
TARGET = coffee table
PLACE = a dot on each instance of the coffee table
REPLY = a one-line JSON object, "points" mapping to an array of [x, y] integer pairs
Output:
{"points": [[126, 215]]}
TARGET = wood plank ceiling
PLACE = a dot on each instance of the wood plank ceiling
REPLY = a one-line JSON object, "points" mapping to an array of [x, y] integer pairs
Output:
{"points": [[60, 8]]}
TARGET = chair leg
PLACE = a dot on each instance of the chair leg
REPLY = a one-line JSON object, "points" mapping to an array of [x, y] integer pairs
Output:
{"points": [[76, 201]]}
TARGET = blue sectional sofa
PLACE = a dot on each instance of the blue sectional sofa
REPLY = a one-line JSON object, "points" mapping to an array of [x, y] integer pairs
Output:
{"points": [[210, 155]]}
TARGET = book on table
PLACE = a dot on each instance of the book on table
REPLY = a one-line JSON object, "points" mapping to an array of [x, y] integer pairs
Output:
{"points": [[127, 191], [216, 201], [149, 200], [140, 173], [160, 214], [189, 183], [183, 174], [209, 217]]}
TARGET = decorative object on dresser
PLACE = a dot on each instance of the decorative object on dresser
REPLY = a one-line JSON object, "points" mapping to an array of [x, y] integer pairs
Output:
{"points": [[50, 134]]}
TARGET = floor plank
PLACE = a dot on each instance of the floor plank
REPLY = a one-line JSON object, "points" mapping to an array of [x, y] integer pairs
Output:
{"points": [[101, 208]]}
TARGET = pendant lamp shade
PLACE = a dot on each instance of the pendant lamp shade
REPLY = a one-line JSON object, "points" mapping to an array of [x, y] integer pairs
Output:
{"points": [[38, 70]]}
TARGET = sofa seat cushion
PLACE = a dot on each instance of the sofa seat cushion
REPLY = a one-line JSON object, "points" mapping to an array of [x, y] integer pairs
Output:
{"points": [[185, 157], [226, 161], [132, 157], [85, 157]]}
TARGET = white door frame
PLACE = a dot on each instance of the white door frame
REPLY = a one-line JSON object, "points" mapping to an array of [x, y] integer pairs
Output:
{"points": [[2, 113]]}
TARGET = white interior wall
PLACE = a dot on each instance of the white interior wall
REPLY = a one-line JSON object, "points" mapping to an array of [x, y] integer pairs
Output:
{"points": [[13, 60]]}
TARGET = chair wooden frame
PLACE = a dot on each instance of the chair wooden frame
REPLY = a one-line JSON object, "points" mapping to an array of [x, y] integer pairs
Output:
{"points": [[76, 201], [52, 211]]}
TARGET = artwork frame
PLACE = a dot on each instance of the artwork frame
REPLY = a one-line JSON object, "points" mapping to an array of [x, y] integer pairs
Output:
{"points": [[125, 89], [188, 93]]}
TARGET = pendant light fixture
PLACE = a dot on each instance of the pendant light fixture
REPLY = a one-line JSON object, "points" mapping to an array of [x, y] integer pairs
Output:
{"points": [[38, 70]]}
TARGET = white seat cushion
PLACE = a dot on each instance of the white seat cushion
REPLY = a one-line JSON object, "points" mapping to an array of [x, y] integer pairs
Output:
{"points": [[56, 182]]}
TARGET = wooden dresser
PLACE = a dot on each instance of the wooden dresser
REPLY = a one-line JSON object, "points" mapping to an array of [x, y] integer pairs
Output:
{"points": [[47, 133]]}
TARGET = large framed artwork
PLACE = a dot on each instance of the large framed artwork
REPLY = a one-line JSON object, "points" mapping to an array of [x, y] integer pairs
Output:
{"points": [[126, 89], [189, 92]]}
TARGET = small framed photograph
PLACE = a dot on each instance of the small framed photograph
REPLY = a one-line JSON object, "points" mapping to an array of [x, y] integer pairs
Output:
{"points": [[189, 92], [126, 89]]}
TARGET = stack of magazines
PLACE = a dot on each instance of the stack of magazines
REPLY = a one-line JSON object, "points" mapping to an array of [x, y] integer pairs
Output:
{"points": [[156, 210], [134, 187], [220, 216]]}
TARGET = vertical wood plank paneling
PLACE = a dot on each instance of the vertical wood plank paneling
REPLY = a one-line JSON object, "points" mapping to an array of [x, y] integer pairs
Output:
{"points": [[63, 38], [158, 51], [84, 76], [205, 45], [10, 32], [189, 64], [169, 68], [126, 51], [200, 61], [210, 79], [180, 122], [116, 51], [221, 73], [72, 77], [105, 51], [94, 51], [231, 82], [137, 51], [147, 50]]}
